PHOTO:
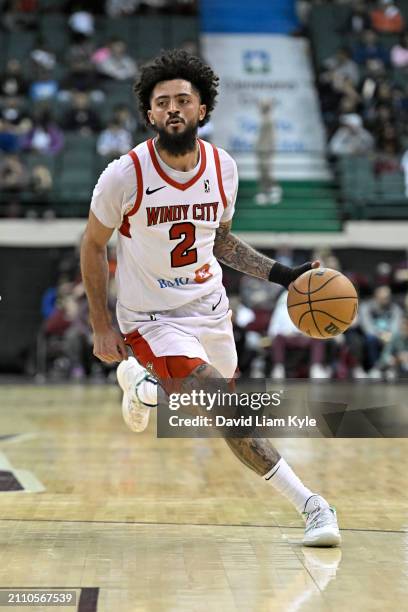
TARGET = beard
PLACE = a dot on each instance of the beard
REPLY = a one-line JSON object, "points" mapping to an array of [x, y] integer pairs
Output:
{"points": [[178, 144]]}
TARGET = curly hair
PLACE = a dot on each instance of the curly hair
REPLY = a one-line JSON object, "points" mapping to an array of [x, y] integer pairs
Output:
{"points": [[177, 64]]}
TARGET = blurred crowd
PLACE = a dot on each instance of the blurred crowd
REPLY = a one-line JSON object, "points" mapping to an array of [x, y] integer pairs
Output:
{"points": [[268, 344], [47, 95], [363, 86]]}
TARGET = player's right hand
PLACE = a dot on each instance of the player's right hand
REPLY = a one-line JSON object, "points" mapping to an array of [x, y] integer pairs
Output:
{"points": [[109, 346]]}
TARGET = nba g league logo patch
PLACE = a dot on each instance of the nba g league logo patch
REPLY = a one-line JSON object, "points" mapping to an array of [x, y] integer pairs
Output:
{"points": [[207, 186]]}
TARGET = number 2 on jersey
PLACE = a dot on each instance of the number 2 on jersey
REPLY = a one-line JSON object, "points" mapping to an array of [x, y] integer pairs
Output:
{"points": [[183, 254]]}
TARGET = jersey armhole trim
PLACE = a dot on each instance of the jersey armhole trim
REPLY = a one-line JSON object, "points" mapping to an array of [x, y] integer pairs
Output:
{"points": [[125, 227], [219, 176]]}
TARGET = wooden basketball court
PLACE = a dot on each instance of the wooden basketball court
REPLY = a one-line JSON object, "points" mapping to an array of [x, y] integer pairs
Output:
{"points": [[141, 524]]}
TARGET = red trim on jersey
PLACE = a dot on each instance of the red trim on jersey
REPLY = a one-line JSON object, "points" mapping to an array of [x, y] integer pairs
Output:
{"points": [[125, 227], [167, 178], [165, 367], [219, 175]]}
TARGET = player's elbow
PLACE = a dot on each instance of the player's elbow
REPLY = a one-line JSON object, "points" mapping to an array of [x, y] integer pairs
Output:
{"points": [[90, 245]]}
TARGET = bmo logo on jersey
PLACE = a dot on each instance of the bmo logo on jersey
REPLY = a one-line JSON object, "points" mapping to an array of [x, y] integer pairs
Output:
{"points": [[176, 282]]}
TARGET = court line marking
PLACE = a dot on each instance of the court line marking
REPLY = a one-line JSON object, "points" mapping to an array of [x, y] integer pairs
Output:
{"points": [[15, 438], [27, 520], [27, 479], [5, 463]]}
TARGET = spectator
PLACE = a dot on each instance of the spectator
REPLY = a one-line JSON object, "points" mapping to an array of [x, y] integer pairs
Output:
{"points": [[14, 179], [113, 62], [330, 98], [43, 59], [114, 141], [399, 101], [14, 176], [80, 54], [388, 141], [78, 336], [82, 77], [191, 46], [404, 165], [377, 117], [44, 87], [123, 115], [359, 19], [386, 17], [374, 75], [380, 320], [67, 320], [284, 255], [9, 139], [394, 357], [41, 180], [369, 48], [19, 15], [348, 105], [399, 53], [351, 138], [285, 336], [400, 280], [45, 136], [181, 7], [118, 8], [40, 188], [269, 190], [13, 113], [14, 124], [241, 317], [12, 82], [82, 24], [342, 66], [80, 116], [351, 352]]}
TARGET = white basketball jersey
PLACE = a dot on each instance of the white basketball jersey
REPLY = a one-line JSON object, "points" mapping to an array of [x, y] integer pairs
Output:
{"points": [[165, 245]]}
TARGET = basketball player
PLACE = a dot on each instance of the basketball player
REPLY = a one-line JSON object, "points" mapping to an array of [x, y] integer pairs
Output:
{"points": [[172, 201]]}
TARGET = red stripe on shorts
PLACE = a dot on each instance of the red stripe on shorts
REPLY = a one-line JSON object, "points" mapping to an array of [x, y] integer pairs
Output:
{"points": [[164, 367]]}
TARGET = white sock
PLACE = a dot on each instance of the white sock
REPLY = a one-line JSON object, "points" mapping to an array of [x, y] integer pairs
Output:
{"points": [[284, 480], [147, 392]]}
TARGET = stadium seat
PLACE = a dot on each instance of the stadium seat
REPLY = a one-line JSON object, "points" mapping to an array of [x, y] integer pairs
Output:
{"points": [[325, 22], [150, 37], [391, 188], [19, 45], [50, 161], [74, 188], [54, 30], [181, 29]]}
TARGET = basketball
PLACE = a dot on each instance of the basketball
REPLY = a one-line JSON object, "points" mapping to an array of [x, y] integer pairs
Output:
{"points": [[322, 303]]}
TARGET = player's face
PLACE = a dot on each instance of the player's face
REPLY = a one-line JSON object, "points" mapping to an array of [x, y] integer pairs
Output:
{"points": [[175, 107]]}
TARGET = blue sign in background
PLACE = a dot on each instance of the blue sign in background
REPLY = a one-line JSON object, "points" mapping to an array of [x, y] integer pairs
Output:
{"points": [[241, 16]]}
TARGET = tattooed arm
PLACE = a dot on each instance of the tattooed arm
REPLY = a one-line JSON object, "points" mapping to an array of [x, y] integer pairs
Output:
{"points": [[236, 253], [233, 252]]}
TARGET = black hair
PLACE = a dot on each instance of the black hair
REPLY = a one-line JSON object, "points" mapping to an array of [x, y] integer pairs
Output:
{"points": [[177, 64]]}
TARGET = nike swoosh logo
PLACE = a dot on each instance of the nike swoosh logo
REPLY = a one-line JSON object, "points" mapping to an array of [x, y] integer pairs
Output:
{"points": [[150, 191], [214, 307]]}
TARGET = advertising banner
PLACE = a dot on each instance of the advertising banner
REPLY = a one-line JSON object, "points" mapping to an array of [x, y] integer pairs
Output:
{"points": [[266, 69]]}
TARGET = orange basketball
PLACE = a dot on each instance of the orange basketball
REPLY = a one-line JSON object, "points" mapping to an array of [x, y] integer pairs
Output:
{"points": [[322, 303]]}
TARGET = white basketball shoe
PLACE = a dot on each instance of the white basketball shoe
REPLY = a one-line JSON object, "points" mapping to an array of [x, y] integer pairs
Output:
{"points": [[321, 523], [137, 385]]}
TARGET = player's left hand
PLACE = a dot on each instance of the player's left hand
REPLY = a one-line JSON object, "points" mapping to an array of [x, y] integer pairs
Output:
{"points": [[299, 270], [284, 275]]}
